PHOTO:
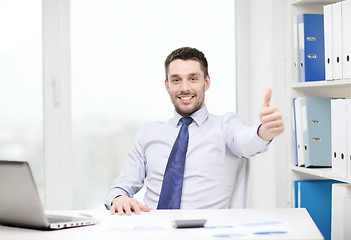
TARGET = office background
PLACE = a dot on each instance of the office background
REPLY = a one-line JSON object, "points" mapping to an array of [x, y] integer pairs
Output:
{"points": [[102, 66], [262, 59]]}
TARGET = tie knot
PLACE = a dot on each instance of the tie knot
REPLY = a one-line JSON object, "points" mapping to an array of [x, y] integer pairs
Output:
{"points": [[186, 120]]}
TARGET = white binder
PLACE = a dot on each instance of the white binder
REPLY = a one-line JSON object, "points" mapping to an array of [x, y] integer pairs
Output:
{"points": [[346, 38], [299, 133], [295, 55], [337, 40], [348, 103], [340, 191], [347, 218], [328, 42], [339, 136]]}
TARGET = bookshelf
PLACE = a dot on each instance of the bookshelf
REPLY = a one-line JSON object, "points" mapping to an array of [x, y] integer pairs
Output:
{"points": [[340, 88], [329, 89]]}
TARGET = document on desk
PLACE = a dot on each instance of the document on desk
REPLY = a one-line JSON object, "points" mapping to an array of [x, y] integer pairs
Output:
{"points": [[213, 229], [249, 228], [144, 221]]}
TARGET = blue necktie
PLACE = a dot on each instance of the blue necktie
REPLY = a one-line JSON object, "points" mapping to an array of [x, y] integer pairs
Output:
{"points": [[172, 185]]}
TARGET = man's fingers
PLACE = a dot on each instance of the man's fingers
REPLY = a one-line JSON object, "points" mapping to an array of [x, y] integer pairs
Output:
{"points": [[113, 209], [274, 124], [125, 205], [268, 110], [270, 116], [267, 97], [135, 207], [120, 210], [144, 208]]}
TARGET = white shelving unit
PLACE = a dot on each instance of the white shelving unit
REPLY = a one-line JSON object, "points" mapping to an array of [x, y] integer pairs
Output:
{"points": [[340, 88], [320, 173], [331, 89], [305, 2], [323, 84]]}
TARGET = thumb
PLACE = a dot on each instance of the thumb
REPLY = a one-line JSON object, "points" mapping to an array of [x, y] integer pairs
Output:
{"points": [[267, 97]]}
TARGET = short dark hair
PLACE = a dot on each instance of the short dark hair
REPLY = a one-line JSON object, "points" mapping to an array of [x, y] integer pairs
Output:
{"points": [[187, 53]]}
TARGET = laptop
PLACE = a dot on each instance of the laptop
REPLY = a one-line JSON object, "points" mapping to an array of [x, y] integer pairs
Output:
{"points": [[20, 205]]}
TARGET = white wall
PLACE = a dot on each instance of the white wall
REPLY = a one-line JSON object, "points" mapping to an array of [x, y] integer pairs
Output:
{"points": [[261, 65]]}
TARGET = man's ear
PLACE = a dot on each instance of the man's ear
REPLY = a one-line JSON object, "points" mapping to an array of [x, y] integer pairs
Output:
{"points": [[207, 82], [167, 85]]}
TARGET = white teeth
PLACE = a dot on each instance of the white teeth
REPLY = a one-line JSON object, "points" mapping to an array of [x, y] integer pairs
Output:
{"points": [[185, 98]]}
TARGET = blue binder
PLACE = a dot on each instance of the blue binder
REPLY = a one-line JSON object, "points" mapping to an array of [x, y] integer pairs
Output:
{"points": [[311, 47], [316, 197], [316, 124]]}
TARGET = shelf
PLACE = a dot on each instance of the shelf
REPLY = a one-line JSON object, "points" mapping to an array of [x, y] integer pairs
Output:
{"points": [[321, 172], [301, 2], [319, 84]]}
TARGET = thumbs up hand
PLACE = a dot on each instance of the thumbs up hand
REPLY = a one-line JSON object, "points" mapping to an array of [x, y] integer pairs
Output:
{"points": [[271, 119]]}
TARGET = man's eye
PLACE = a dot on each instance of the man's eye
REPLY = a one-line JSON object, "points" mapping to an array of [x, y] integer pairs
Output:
{"points": [[176, 80], [193, 79]]}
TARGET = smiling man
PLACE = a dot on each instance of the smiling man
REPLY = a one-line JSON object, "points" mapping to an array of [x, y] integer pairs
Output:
{"points": [[186, 84], [191, 160]]}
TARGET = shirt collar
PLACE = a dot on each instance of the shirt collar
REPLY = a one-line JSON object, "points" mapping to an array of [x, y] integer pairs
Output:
{"points": [[199, 116]]}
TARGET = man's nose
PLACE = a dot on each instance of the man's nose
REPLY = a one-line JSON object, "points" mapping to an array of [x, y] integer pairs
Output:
{"points": [[185, 85]]}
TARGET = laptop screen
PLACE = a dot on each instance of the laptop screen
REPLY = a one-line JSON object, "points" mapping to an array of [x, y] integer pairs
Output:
{"points": [[19, 203]]}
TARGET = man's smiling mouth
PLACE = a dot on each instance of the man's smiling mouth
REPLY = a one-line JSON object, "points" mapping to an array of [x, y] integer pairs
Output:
{"points": [[186, 98]]}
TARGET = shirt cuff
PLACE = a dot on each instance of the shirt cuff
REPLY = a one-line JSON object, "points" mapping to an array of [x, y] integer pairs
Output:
{"points": [[256, 145]]}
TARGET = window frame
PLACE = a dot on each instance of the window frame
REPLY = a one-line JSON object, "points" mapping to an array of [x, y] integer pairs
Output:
{"points": [[57, 105]]}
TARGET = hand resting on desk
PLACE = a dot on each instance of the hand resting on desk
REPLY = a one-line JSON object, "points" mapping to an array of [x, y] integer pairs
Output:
{"points": [[127, 205]]}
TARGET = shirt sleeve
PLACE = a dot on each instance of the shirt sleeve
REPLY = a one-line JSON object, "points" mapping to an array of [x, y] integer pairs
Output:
{"points": [[131, 179], [242, 140]]}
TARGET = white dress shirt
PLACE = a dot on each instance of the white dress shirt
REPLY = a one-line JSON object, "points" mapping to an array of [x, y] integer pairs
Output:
{"points": [[215, 144]]}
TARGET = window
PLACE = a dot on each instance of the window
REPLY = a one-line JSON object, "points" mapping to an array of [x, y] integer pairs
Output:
{"points": [[21, 98]]}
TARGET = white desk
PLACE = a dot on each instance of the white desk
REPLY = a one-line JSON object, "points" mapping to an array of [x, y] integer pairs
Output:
{"points": [[290, 223]]}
